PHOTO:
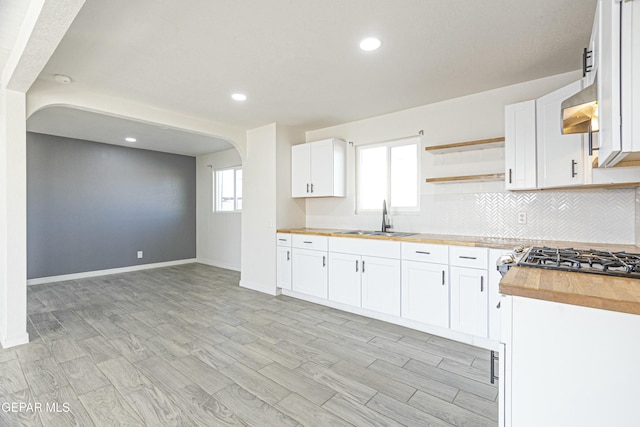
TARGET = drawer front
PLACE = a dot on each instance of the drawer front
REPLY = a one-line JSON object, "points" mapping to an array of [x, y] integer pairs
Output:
{"points": [[465, 256], [425, 252], [308, 241], [283, 239], [365, 247]]}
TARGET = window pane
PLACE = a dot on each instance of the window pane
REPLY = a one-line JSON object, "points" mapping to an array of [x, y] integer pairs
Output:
{"points": [[238, 189], [372, 177], [404, 176], [225, 190]]}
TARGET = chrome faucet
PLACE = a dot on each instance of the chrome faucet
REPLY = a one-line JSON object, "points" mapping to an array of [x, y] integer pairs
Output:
{"points": [[385, 218]]}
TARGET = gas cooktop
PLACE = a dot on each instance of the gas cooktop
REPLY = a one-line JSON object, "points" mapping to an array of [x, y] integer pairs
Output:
{"points": [[584, 261]]}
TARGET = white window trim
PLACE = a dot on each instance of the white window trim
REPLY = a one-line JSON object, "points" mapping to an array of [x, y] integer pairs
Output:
{"points": [[389, 144], [216, 205]]}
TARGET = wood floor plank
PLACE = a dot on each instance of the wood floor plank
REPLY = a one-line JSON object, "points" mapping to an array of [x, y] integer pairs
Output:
{"points": [[356, 413], [68, 410], [27, 418], [444, 350], [256, 383], [203, 408], [448, 412], [251, 409], [44, 375], [342, 351], [131, 347], [107, 407], [463, 383], [404, 413], [83, 375], [98, 349], [244, 355], [124, 375], [479, 374], [65, 349], [307, 413], [429, 385], [477, 404], [311, 390], [276, 353], [348, 387], [163, 374], [12, 379], [156, 409], [209, 379], [406, 351]]}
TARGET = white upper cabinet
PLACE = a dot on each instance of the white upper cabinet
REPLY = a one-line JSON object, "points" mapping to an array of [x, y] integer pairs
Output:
{"points": [[318, 169], [520, 146], [618, 81], [560, 157], [591, 52]]}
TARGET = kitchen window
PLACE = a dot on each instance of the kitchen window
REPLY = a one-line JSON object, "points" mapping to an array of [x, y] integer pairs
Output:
{"points": [[388, 171], [228, 189]]}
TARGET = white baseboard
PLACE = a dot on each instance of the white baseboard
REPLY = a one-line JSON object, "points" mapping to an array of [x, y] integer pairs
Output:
{"points": [[15, 340], [218, 263], [271, 290], [85, 274]]}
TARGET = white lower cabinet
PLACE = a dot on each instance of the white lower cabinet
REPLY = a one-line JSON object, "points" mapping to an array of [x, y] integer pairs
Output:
{"points": [[309, 272], [469, 300], [344, 278], [425, 292], [283, 267], [381, 285], [569, 365]]}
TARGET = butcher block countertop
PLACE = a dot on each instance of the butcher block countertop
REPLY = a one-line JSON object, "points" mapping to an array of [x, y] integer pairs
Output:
{"points": [[585, 289], [483, 242]]}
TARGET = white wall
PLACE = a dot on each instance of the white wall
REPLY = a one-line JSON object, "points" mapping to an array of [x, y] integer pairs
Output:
{"points": [[218, 233], [480, 209]]}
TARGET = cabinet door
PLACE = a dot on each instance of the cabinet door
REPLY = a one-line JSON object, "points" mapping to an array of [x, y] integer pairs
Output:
{"points": [[593, 50], [300, 170], [309, 272], [425, 293], [381, 285], [322, 168], [520, 146], [609, 110], [469, 300], [283, 267], [494, 294], [560, 157], [344, 278]]}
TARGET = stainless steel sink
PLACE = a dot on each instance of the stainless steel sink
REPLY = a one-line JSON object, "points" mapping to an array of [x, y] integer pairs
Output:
{"points": [[376, 233], [358, 232], [392, 234]]}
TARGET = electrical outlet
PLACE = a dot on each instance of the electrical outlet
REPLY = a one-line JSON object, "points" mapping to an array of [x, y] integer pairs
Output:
{"points": [[139, 254], [522, 217]]}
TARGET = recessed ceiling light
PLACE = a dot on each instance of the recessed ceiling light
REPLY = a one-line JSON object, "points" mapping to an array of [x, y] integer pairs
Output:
{"points": [[130, 139], [370, 43], [61, 78], [239, 96]]}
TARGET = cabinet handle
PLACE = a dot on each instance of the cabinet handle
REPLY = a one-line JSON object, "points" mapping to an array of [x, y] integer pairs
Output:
{"points": [[307, 188], [481, 283], [467, 257], [510, 176], [312, 188], [586, 68], [363, 266], [498, 306], [493, 377], [283, 240], [591, 147], [573, 169], [356, 266], [307, 242], [288, 256], [324, 261], [423, 252], [442, 277]]}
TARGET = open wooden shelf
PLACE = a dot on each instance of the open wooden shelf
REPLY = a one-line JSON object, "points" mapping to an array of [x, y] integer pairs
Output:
{"points": [[467, 178], [480, 144]]}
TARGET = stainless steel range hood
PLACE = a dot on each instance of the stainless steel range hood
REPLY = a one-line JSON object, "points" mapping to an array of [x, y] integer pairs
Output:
{"points": [[580, 111]]}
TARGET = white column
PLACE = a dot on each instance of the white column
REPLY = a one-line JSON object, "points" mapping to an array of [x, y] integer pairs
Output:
{"points": [[13, 219]]}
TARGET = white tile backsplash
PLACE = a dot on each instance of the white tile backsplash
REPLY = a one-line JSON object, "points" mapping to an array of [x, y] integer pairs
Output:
{"points": [[599, 216]]}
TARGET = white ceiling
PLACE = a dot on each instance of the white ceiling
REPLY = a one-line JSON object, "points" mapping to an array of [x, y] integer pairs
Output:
{"points": [[299, 61]]}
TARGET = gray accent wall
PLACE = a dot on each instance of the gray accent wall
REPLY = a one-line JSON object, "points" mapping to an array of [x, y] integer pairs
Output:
{"points": [[92, 206]]}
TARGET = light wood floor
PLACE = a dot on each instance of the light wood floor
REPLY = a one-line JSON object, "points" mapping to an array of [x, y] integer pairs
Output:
{"points": [[186, 346]]}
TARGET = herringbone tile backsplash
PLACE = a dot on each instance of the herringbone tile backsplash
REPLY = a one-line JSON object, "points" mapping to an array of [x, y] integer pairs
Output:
{"points": [[606, 216], [598, 216]]}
